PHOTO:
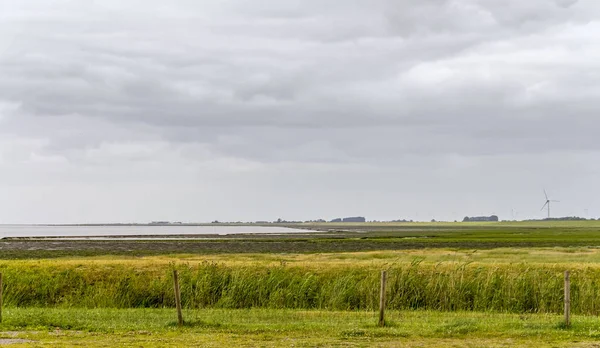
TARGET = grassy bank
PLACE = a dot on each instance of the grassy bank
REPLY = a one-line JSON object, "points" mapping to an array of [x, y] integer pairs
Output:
{"points": [[266, 283], [285, 328]]}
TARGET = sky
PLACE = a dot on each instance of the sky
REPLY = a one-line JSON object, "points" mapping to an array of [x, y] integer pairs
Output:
{"points": [[233, 110]]}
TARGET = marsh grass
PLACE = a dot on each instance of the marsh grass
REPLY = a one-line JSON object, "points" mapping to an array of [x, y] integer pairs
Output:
{"points": [[340, 238], [512, 288]]}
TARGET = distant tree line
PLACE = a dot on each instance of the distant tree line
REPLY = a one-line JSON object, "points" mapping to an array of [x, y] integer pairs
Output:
{"points": [[566, 218], [481, 218], [350, 219]]}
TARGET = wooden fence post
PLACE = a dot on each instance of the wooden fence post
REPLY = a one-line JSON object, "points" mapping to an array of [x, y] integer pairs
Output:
{"points": [[382, 298], [177, 298], [567, 299], [1, 298]]}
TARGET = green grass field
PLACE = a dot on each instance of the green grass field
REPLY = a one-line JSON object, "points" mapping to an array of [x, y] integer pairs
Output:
{"points": [[462, 285], [291, 328]]}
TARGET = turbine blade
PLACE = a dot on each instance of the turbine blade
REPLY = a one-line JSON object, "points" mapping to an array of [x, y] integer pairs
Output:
{"points": [[554, 201], [546, 194], [547, 202]]}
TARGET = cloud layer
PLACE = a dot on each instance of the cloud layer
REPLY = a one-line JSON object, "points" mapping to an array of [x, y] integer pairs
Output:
{"points": [[196, 110]]}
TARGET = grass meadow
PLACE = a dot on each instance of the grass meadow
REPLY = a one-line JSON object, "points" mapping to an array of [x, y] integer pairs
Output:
{"points": [[69, 327], [502, 296]]}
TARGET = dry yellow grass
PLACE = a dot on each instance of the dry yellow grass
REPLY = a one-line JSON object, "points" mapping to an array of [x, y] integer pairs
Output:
{"points": [[572, 257]]}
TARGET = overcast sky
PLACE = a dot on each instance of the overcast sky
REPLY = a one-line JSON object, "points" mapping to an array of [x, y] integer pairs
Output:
{"points": [[195, 110]]}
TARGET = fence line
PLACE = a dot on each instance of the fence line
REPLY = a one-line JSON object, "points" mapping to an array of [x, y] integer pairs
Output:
{"points": [[382, 297]]}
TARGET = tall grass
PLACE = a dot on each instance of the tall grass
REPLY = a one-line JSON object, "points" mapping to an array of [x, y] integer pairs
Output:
{"points": [[443, 287]]}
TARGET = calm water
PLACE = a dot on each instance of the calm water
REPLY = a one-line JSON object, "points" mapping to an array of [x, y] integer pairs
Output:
{"points": [[115, 231]]}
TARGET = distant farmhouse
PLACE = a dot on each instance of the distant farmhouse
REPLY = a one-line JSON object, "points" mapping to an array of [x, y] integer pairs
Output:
{"points": [[351, 219], [480, 218]]}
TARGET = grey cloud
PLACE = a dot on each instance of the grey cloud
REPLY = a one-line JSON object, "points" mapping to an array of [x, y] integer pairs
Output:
{"points": [[254, 87]]}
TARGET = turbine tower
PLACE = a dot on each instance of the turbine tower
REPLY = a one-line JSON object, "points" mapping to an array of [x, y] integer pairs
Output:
{"points": [[547, 204]]}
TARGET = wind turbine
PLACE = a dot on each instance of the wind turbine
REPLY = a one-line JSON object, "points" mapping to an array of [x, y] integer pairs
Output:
{"points": [[548, 201], [514, 214]]}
